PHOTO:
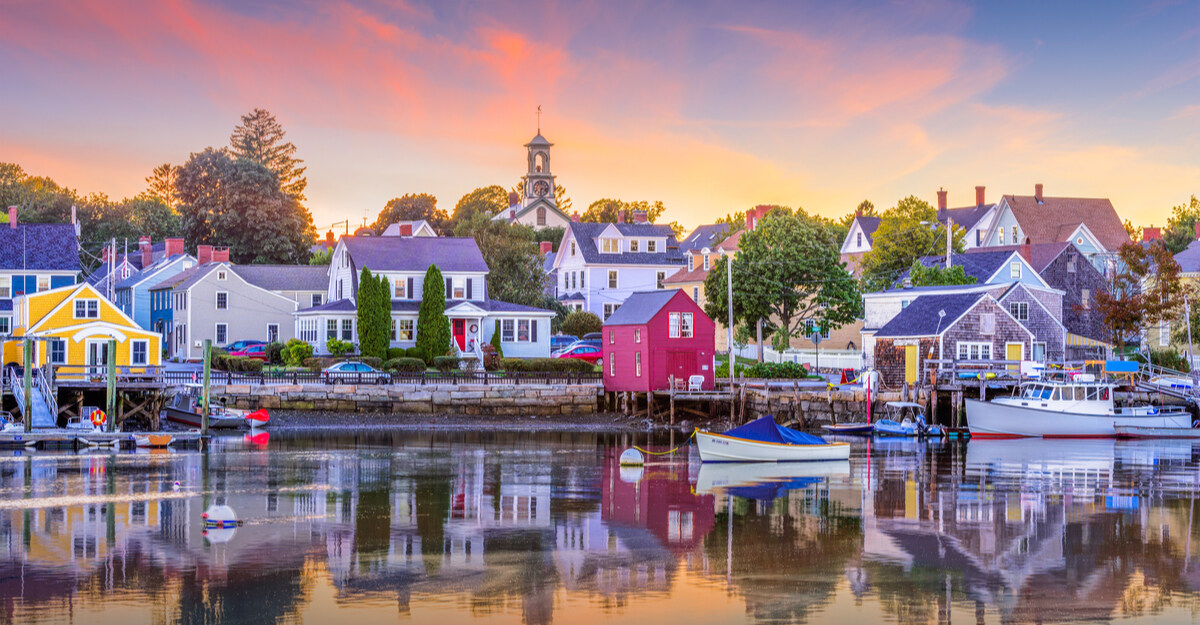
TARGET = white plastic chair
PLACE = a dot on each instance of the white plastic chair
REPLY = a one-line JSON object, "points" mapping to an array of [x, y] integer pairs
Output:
{"points": [[695, 382]]}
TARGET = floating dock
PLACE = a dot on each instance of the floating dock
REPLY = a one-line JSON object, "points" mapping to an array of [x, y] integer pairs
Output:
{"points": [[66, 439]]}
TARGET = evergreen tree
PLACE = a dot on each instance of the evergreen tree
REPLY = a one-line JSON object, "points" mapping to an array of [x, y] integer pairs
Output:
{"points": [[433, 328], [260, 139], [374, 315]]}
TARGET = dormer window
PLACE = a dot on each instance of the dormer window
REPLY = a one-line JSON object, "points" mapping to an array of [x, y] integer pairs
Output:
{"points": [[610, 246], [633, 245], [707, 264], [652, 246]]}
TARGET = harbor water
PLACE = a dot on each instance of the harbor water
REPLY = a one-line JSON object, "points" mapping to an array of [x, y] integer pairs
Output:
{"points": [[536, 528]]}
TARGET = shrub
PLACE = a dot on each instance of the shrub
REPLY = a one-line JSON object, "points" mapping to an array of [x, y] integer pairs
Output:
{"points": [[372, 361], [491, 358], [1166, 358], [416, 352], [275, 352], [496, 341], [409, 365], [546, 365], [317, 363], [295, 352], [396, 352], [581, 322], [776, 370], [338, 347], [469, 363], [445, 363], [236, 363]]}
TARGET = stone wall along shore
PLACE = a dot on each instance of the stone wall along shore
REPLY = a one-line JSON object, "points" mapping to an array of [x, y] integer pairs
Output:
{"points": [[467, 399]]}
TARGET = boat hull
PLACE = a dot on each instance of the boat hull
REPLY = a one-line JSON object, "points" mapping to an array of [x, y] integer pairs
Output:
{"points": [[721, 448], [1137, 431], [215, 422], [997, 420], [849, 428]]}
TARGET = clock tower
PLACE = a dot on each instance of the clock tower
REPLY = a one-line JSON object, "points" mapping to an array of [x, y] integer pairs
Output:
{"points": [[538, 182], [536, 205]]}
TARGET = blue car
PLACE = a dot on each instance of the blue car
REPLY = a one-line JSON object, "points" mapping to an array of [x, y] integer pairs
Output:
{"points": [[561, 341]]}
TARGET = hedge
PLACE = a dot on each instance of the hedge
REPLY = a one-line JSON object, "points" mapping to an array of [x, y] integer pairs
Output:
{"points": [[407, 365], [275, 353], [396, 352], [372, 361], [236, 363], [317, 363], [554, 365], [445, 364], [766, 370]]}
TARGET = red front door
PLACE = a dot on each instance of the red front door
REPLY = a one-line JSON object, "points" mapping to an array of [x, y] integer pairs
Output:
{"points": [[460, 333]]}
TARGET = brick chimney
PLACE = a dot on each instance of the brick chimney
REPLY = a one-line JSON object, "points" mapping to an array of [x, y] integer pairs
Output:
{"points": [[330, 242], [1151, 233], [174, 246], [12, 217], [639, 216], [621, 217], [546, 247], [147, 251], [104, 251], [941, 199], [1198, 231], [1027, 250], [220, 254], [979, 201], [575, 217], [1037, 192], [406, 230], [204, 254], [512, 215]]}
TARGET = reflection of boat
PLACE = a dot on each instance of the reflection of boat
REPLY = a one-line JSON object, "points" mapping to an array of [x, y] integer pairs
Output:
{"points": [[185, 408], [1086, 465], [1138, 431], [1072, 408], [849, 428], [755, 479], [905, 418], [762, 440], [152, 440]]}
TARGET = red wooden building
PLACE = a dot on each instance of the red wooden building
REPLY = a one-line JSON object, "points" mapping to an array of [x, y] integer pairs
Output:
{"points": [[655, 335]]}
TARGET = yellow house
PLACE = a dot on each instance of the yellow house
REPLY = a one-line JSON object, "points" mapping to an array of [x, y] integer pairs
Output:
{"points": [[73, 326]]}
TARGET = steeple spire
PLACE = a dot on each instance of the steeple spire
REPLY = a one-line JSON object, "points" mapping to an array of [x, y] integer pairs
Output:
{"points": [[539, 119]]}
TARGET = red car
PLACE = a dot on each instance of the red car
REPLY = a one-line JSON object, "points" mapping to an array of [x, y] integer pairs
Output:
{"points": [[257, 352], [589, 353]]}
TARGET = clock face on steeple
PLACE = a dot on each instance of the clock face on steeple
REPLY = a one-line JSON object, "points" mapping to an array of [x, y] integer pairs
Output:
{"points": [[541, 188]]}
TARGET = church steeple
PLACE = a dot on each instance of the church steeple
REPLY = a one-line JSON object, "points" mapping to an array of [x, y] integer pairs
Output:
{"points": [[538, 181]]}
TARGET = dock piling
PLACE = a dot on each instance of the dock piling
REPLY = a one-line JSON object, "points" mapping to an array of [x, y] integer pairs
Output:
{"points": [[110, 403], [207, 379], [27, 361]]}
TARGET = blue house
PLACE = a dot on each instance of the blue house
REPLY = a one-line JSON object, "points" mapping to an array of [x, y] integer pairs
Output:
{"points": [[132, 295], [33, 258], [125, 264]]}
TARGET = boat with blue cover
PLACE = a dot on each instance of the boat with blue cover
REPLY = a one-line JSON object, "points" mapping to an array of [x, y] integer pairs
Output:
{"points": [[762, 440]]}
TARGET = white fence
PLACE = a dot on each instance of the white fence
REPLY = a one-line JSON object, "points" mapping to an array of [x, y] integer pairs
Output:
{"points": [[829, 359]]}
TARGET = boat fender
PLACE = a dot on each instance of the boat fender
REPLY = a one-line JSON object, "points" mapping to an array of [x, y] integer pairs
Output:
{"points": [[632, 458], [1196, 423]]}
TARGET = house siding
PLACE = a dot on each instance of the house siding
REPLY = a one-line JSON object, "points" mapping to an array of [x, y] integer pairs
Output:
{"points": [[250, 310], [889, 356], [1078, 320], [620, 346], [1043, 324]]}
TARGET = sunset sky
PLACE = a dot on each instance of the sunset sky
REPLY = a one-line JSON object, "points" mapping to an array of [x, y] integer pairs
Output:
{"points": [[709, 107]]}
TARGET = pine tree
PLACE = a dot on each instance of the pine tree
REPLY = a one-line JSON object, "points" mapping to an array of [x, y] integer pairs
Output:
{"points": [[260, 139], [374, 315], [433, 328]]}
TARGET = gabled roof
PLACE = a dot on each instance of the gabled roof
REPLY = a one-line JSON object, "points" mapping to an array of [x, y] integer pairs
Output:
{"points": [[702, 237], [1189, 258], [585, 237], [920, 317], [39, 247], [682, 277], [548, 263], [1058, 217], [285, 277], [1043, 253], [186, 278], [393, 230], [491, 305], [966, 216], [869, 225], [415, 254], [138, 277], [981, 265], [641, 307]]}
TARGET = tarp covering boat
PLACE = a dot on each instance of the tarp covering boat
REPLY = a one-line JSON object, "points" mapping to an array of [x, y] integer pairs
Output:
{"points": [[766, 430]]}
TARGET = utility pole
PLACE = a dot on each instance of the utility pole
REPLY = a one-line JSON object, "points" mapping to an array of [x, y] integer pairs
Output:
{"points": [[949, 239], [732, 356]]}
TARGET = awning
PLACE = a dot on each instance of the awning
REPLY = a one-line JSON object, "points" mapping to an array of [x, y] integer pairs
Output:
{"points": [[1075, 340]]}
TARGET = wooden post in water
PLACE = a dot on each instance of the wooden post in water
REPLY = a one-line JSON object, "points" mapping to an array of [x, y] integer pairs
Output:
{"points": [[207, 385], [933, 398], [110, 377], [27, 362], [671, 379]]}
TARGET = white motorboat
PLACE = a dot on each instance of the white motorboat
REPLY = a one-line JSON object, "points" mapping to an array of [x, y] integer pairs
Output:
{"points": [[1073, 408], [762, 440]]}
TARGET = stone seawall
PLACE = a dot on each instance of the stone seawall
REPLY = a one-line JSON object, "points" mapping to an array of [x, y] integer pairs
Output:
{"points": [[817, 407], [466, 399]]}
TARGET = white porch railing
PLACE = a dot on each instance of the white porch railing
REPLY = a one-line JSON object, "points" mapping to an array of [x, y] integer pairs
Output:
{"points": [[829, 359]]}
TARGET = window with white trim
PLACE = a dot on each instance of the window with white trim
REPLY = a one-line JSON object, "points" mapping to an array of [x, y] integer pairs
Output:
{"points": [[220, 275], [404, 329], [679, 325], [5, 287], [272, 332], [974, 350], [612, 278], [400, 291], [1086, 299], [652, 246], [522, 330], [57, 352], [1014, 270], [609, 309], [572, 248], [612, 337], [637, 335], [610, 246], [87, 309], [330, 329], [222, 300], [1071, 264], [696, 294], [662, 275], [43, 283], [1019, 310], [139, 352], [1014, 233], [858, 240], [691, 262], [347, 329], [612, 365], [633, 245], [707, 262], [222, 334], [508, 330], [460, 288], [316, 299], [5, 325], [1164, 333], [637, 363]]}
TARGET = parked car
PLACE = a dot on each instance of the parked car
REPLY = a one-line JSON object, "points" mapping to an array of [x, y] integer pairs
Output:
{"points": [[257, 352], [352, 371], [238, 346], [561, 341], [583, 351], [593, 336]]}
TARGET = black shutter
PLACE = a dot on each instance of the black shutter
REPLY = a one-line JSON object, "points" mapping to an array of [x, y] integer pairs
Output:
{"points": [[449, 288], [409, 292], [533, 324], [468, 288]]}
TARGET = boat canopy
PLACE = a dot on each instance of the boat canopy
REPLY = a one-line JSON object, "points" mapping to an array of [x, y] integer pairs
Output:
{"points": [[905, 404], [765, 430]]}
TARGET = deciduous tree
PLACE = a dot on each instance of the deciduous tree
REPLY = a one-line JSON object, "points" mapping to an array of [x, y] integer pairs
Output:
{"points": [[482, 201], [938, 275], [1144, 290], [413, 207], [906, 232], [515, 264], [1181, 226], [581, 322], [606, 210]]}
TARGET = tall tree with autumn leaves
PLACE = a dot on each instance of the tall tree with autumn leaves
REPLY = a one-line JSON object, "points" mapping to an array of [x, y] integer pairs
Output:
{"points": [[1144, 290]]}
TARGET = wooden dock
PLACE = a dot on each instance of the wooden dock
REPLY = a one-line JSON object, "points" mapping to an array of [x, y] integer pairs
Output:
{"points": [[67, 439]]}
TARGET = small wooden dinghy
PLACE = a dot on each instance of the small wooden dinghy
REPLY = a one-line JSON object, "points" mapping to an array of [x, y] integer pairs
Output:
{"points": [[849, 428], [1141, 431], [152, 440], [762, 440]]}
